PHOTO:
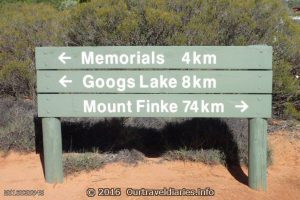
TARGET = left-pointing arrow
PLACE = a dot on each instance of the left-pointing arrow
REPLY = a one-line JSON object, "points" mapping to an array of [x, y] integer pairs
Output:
{"points": [[63, 81], [63, 57]]}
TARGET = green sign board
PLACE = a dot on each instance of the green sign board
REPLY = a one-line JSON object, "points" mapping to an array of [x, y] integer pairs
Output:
{"points": [[162, 81], [155, 81], [215, 81], [154, 57], [154, 105]]}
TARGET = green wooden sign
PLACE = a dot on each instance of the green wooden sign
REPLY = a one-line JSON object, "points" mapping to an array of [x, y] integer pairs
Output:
{"points": [[155, 81], [160, 57], [175, 70], [162, 81], [154, 105]]}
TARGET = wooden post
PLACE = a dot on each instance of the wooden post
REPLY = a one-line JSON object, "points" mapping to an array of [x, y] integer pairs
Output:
{"points": [[52, 150], [257, 170]]}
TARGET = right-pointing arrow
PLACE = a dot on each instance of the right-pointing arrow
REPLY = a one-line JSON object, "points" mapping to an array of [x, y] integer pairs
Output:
{"points": [[243, 106], [63, 81]]}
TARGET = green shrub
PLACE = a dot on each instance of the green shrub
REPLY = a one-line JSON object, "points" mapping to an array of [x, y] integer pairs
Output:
{"points": [[197, 22], [292, 111], [77, 162], [154, 22], [17, 129], [101, 23], [55, 3], [206, 156], [67, 4], [24, 27], [16, 78], [293, 3], [74, 162]]}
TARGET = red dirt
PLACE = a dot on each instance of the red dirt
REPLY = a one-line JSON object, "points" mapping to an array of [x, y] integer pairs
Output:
{"points": [[25, 172]]}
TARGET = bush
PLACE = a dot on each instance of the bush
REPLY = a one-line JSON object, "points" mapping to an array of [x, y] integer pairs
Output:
{"points": [[293, 3], [16, 78], [154, 22], [55, 3], [101, 23], [67, 4], [291, 110], [24, 27], [206, 156], [197, 23], [74, 163], [17, 129], [77, 162]]}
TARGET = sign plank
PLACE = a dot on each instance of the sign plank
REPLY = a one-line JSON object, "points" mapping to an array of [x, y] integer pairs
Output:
{"points": [[154, 105], [137, 81], [160, 57]]}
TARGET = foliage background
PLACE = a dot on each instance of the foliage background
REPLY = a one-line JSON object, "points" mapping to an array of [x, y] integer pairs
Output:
{"points": [[27, 24], [293, 3]]}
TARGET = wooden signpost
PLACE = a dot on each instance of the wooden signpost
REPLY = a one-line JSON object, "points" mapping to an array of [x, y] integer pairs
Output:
{"points": [[155, 81]]}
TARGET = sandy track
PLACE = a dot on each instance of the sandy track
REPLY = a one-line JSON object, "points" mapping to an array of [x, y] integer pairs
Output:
{"points": [[25, 172]]}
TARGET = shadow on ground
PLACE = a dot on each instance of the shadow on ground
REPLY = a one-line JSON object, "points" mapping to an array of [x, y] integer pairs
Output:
{"points": [[112, 135]]}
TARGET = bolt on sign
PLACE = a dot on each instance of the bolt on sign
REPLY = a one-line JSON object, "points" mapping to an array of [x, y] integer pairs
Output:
{"points": [[158, 81]]}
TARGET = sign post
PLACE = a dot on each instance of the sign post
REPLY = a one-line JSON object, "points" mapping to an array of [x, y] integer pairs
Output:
{"points": [[257, 169], [155, 81], [52, 145]]}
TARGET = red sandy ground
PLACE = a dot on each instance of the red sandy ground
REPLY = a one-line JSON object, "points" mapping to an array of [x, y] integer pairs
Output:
{"points": [[25, 172]]}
